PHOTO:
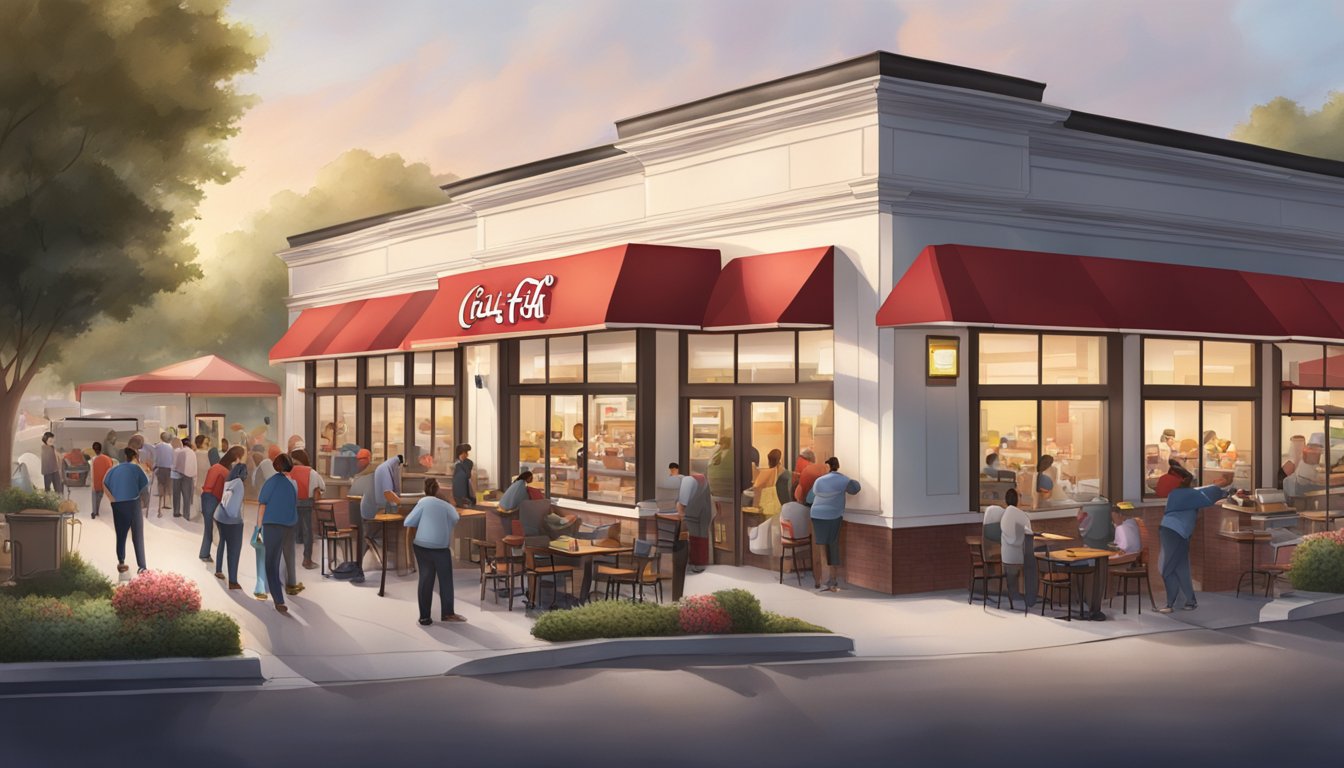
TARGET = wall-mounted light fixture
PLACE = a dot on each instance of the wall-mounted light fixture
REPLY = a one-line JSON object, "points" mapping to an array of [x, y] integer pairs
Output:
{"points": [[944, 358]]}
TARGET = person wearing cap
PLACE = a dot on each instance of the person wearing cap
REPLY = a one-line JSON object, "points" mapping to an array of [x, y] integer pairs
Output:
{"points": [[463, 471], [1175, 477], [1166, 446]]}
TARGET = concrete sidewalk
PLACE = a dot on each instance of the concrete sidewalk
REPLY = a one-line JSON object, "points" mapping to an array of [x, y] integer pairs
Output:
{"points": [[340, 632]]}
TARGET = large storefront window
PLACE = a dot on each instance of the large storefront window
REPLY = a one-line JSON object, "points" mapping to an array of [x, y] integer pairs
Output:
{"points": [[336, 424], [1311, 460], [1041, 402], [579, 442], [768, 357], [1199, 409]]}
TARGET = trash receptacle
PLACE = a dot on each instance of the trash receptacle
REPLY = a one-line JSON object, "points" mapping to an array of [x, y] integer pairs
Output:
{"points": [[38, 541]]}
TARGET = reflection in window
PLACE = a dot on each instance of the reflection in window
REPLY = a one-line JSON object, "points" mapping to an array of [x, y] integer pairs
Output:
{"points": [[1228, 442], [1008, 358], [375, 372], [531, 437], [611, 357], [1074, 432], [1229, 364], [611, 448], [1171, 362], [568, 453], [346, 369], [709, 358], [1303, 461], [765, 358], [566, 357], [531, 361], [326, 420], [326, 373], [1303, 365], [445, 370], [421, 457], [1073, 359], [378, 428], [423, 369], [1170, 431], [396, 427], [816, 356], [444, 440], [396, 371]]}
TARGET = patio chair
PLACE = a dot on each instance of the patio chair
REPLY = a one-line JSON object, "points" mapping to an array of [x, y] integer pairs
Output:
{"points": [[643, 572], [333, 536], [1282, 565], [985, 570], [1136, 573], [540, 563], [796, 522], [501, 563]]}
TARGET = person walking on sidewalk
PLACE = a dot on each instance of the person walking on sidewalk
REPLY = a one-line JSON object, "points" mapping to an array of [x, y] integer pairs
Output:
{"points": [[51, 464], [212, 493], [163, 469], [311, 485], [229, 514], [277, 514], [97, 471], [1178, 525], [827, 496], [431, 522], [123, 484], [184, 478]]}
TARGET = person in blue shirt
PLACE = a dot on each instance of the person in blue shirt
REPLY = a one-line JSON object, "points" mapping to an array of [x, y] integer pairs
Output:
{"points": [[1045, 485], [463, 472], [516, 493], [277, 514], [827, 498], [123, 485], [432, 522], [1178, 525]]}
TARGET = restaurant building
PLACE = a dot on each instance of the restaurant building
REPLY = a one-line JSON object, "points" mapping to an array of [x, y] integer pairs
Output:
{"points": [[905, 264]]}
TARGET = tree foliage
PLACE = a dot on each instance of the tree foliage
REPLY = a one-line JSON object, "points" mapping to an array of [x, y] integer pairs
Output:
{"points": [[237, 308], [1284, 124], [112, 117]]}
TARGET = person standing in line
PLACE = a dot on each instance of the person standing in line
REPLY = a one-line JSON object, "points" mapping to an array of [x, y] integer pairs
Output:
{"points": [[806, 477], [463, 472], [163, 469], [203, 462], [431, 522], [1178, 525], [215, 453], [229, 514], [123, 484], [764, 489], [98, 471], [311, 485], [828, 510], [264, 467], [212, 493], [184, 477], [696, 507], [277, 514], [51, 464]]}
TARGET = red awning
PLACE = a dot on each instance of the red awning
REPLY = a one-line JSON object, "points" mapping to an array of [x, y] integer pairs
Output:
{"points": [[971, 285], [210, 375], [624, 286], [793, 289], [368, 326]]}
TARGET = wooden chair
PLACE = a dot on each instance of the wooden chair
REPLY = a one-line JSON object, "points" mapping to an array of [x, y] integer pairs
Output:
{"points": [[797, 537], [1282, 565], [1133, 573], [324, 513], [1052, 580], [643, 572], [501, 563], [984, 570], [540, 563]]}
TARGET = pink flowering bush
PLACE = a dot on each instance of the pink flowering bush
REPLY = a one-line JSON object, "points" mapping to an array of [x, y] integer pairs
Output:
{"points": [[702, 615], [156, 595]]}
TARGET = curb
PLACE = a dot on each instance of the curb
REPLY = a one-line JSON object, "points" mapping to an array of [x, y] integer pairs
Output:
{"points": [[589, 651], [1302, 605], [242, 669]]}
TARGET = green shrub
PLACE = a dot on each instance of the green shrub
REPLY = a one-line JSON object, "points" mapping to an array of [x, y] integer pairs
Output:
{"points": [[744, 609], [1318, 563], [74, 575], [78, 628], [618, 618], [775, 624], [607, 618], [17, 500]]}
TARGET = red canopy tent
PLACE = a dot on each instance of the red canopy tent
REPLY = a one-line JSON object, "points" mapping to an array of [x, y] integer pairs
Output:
{"points": [[211, 376]]}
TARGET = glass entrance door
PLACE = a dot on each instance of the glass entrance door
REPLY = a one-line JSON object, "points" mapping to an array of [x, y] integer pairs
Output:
{"points": [[766, 436], [710, 450]]}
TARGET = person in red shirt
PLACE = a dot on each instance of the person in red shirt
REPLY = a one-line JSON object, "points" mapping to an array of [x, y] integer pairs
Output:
{"points": [[212, 493], [806, 478], [101, 463], [1175, 477]]}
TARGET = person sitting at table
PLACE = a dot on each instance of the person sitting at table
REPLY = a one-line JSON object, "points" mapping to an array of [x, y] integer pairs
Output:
{"points": [[431, 522], [1014, 530], [1045, 485], [1173, 479], [1128, 543], [516, 493], [992, 467]]}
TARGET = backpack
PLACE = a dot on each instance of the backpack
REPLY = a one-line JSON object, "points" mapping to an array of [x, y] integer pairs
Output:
{"points": [[348, 571]]}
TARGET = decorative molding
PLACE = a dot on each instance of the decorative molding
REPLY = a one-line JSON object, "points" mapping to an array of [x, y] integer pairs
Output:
{"points": [[986, 111], [439, 220], [571, 179]]}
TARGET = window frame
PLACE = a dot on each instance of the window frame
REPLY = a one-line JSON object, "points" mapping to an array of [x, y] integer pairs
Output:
{"points": [[737, 359]]}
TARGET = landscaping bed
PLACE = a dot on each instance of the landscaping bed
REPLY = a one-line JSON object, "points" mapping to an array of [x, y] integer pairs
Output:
{"points": [[75, 614], [729, 611], [1318, 563]]}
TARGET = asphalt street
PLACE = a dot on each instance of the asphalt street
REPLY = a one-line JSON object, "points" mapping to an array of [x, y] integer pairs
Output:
{"points": [[1263, 695]]}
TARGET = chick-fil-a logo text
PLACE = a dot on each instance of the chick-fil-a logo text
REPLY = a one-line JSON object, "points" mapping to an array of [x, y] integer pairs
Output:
{"points": [[526, 302]]}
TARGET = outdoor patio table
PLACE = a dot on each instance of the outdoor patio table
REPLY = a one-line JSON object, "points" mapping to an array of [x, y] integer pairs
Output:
{"points": [[383, 518], [1074, 555], [585, 554], [1252, 538]]}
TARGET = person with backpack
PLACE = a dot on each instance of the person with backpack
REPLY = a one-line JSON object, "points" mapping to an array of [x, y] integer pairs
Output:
{"points": [[228, 514]]}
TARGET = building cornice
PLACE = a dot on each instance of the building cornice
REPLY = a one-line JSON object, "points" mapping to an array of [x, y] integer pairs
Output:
{"points": [[425, 223], [569, 179]]}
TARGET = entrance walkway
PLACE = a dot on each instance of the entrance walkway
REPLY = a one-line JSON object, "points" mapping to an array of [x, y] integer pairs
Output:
{"points": [[340, 632]]}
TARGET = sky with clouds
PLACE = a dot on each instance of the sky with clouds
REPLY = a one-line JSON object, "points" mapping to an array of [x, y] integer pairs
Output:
{"points": [[469, 87]]}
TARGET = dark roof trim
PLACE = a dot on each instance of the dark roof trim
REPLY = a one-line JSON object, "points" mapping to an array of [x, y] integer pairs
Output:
{"points": [[535, 168], [870, 65], [345, 228], [1209, 145]]}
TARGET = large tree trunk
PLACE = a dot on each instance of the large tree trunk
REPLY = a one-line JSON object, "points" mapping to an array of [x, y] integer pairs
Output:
{"points": [[9, 407]]}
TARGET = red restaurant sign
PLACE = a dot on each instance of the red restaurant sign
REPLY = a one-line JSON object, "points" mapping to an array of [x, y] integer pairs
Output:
{"points": [[527, 301]]}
